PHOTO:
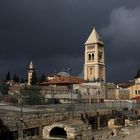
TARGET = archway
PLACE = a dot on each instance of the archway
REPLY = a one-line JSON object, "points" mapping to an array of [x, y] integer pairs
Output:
{"points": [[58, 132]]}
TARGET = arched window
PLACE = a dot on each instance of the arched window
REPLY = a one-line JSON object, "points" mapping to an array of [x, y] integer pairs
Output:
{"points": [[89, 57], [92, 56]]}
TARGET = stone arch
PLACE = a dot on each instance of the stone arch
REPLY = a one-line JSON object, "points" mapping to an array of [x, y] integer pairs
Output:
{"points": [[58, 132], [48, 129]]}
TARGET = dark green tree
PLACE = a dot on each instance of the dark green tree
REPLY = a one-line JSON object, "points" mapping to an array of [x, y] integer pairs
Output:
{"points": [[16, 78], [138, 74], [42, 78], [22, 80], [32, 95], [8, 77], [34, 78], [13, 99], [4, 88]]}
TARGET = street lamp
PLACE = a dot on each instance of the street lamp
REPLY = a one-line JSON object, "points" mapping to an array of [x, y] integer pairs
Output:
{"points": [[72, 105], [21, 99], [21, 117], [69, 69]]}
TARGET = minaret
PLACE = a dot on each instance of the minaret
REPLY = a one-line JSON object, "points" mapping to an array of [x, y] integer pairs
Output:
{"points": [[94, 67], [30, 73]]}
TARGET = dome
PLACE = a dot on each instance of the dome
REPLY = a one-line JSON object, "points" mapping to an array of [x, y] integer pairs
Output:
{"points": [[63, 74], [81, 75]]}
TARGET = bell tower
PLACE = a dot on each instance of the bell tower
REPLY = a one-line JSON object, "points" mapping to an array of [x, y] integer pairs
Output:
{"points": [[30, 73], [94, 67]]}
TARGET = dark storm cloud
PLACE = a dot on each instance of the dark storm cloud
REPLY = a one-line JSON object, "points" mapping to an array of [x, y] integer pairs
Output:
{"points": [[52, 34], [123, 37]]}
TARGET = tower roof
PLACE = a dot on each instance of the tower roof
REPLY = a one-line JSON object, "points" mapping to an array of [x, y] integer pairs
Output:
{"points": [[94, 38], [31, 65]]}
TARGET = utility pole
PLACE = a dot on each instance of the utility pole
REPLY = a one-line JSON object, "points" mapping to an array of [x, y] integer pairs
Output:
{"points": [[69, 69], [21, 118], [71, 98]]}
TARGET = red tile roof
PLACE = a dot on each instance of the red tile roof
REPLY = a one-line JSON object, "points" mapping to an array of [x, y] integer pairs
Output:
{"points": [[136, 98]]}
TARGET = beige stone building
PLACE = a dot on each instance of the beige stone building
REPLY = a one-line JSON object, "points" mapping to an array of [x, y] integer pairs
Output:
{"points": [[91, 92], [135, 86], [94, 67], [132, 88], [99, 92], [59, 88], [114, 92], [110, 91], [122, 94]]}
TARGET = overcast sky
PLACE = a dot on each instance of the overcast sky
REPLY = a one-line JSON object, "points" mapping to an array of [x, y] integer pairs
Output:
{"points": [[52, 34]]}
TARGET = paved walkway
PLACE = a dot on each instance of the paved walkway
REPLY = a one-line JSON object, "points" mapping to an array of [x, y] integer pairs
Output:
{"points": [[15, 108]]}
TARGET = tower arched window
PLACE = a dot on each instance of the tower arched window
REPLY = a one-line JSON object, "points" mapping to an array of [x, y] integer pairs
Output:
{"points": [[92, 56], [89, 57]]}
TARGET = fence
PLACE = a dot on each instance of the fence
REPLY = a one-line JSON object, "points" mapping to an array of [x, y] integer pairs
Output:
{"points": [[72, 107]]}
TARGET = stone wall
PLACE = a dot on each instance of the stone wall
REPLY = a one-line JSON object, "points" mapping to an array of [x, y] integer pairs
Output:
{"points": [[73, 132]]}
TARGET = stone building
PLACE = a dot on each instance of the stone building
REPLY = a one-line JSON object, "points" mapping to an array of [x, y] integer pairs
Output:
{"points": [[134, 87], [91, 92], [111, 91], [59, 87], [99, 91], [114, 92], [94, 67], [130, 90], [15, 88]]}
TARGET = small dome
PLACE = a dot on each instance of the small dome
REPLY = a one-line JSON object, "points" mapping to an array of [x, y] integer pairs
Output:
{"points": [[63, 74], [81, 75]]}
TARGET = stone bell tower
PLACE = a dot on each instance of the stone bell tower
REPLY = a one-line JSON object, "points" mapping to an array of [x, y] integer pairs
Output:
{"points": [[30, 73], [94, 67]]}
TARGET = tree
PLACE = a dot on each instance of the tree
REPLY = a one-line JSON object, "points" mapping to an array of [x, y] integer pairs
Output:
{"points": [[22, 80], [42, 78], [138, 74], [4, 88], [34, 78], [8, 77], [32, 95], [16, 78], [13, 99]]}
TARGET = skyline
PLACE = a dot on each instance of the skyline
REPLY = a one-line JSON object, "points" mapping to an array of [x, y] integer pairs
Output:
{"points": [[52, 35]]}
